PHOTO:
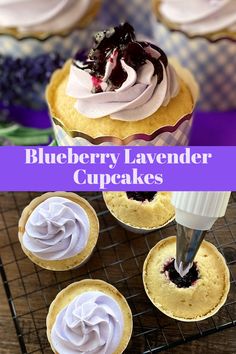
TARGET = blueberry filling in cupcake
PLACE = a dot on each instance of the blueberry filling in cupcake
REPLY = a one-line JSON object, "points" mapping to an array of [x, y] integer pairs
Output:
{"points": [[181, 282], [104, 60], [141, 196]]}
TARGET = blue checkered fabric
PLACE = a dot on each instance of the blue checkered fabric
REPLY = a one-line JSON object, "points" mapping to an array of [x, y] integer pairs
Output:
{"points": [[136, 12], [179, 137], [213, 65]]}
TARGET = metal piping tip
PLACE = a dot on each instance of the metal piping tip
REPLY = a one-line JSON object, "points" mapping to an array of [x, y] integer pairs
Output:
{"points": [[187, 244], [181, 269]]}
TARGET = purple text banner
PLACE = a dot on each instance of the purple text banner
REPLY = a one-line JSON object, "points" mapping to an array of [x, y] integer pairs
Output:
{"points": [[118, 168]]}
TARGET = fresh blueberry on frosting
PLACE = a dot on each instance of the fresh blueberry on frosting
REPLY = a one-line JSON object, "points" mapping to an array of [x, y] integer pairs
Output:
{"points": [[57, 229], [122, 77], [92, 323], [181, 282]]}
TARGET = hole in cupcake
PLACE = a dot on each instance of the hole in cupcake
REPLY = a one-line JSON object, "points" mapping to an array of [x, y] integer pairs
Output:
{"points": [[181, 282], [205, 255], [141, 196]]}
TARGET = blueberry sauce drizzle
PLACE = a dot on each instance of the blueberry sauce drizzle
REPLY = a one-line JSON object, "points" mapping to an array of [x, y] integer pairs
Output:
{"points": [[120, 40], [141, 196], [181, 282]]}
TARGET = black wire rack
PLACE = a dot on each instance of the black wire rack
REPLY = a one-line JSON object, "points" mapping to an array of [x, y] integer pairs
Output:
{"points": [[118, 259]]}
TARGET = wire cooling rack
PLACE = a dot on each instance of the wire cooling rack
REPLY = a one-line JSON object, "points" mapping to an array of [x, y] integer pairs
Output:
{"points": [[118, 259]]}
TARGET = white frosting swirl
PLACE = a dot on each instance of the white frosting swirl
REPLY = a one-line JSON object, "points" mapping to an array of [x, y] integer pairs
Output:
{"points": [[139, 96], [43, 15], [57, 229], [92, 323], [200, 16]]}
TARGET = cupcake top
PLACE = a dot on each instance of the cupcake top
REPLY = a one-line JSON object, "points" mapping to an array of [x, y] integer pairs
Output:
{"points": [[57, 229], [89, 316], [144, 210], [200, 17], [123, 90], [128, 80], [27, 16], [91, 323], [197, 295]]}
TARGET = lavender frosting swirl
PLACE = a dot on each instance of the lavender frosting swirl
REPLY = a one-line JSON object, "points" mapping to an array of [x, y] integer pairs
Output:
{"points": [[43, 15], [92, 323], [57, 229], [201, 16], [128, 81]]}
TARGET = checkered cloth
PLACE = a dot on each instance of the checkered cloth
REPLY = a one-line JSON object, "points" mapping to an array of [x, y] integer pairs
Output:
{"points": [[213, 65], [179, 137]]}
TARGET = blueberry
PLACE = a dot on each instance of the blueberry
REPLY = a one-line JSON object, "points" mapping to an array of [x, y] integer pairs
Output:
{"points": [[122, 38]]}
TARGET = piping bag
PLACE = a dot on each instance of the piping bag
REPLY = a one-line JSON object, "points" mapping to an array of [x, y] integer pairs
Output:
{"points": [[196, 212]]}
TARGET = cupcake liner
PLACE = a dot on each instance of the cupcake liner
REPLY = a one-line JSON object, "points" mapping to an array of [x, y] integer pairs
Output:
{"points": [[66, 45], [213, 64], [180, 136], [168, 313], [138, 230], [68, 263], [68, 294], [176, 134]]}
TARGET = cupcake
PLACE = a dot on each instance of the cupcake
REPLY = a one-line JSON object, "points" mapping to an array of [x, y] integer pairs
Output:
{"points": [[124, 92], [196, 296], [202, 36], [35, 38], [90, 316], [140, 212], [58, 231]]}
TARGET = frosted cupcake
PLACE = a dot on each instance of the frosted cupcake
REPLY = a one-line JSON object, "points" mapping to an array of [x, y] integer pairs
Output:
{"points": [[58, 231], [196, 296], [140, 212], [124, 92], [89, 316], [35, 38], [202, 35]]}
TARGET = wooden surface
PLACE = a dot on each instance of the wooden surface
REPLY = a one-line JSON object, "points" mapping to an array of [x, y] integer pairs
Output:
{"points": [[39, 286]]}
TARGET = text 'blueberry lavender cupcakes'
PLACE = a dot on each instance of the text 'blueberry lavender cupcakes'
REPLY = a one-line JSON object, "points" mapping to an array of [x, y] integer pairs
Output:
{"points": [[58, 231], [123, 92]]}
